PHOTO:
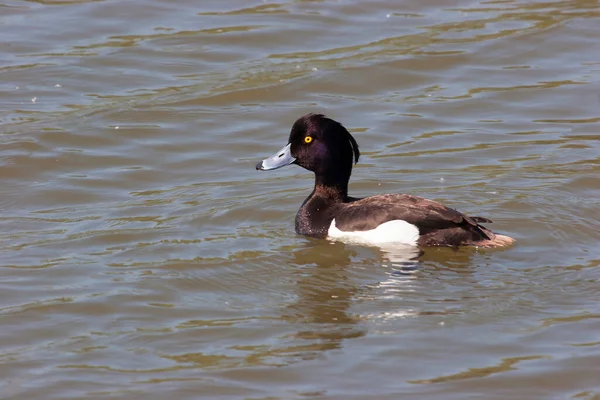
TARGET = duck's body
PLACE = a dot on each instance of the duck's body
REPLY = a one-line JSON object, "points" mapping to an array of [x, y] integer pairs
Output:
{"points": [[399, 218], [325, 147]]}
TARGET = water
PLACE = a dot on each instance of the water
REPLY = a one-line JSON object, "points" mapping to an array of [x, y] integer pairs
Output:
{"points": [[144, 257]]}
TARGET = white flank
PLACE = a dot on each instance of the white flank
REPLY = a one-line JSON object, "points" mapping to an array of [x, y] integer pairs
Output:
{"points": [[396, 231]]}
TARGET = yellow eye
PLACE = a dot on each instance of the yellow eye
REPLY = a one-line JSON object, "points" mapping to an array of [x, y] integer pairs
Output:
{"points": [[308, 139]]}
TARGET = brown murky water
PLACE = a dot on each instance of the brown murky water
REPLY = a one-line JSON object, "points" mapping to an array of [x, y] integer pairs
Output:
{"points": [[143, 257]]}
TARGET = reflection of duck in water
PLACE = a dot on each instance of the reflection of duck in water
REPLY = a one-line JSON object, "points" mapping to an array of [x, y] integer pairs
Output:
{"points": [[324, 291], [326, 148], [342, 291], [336, 287], [334, 279]]}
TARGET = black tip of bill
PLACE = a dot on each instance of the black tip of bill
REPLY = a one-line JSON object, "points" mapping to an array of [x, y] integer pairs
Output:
{"points": [[280, 159]]}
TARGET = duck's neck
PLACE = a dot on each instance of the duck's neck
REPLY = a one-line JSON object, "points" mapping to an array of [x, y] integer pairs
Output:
{"points": [[331, 187], [314, 216]]}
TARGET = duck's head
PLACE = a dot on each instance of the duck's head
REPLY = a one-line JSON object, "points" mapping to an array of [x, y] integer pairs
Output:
{"points": [[318, 144]]}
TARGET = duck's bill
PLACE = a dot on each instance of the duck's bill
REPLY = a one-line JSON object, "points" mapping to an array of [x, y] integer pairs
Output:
{"points": [[280, 159]]}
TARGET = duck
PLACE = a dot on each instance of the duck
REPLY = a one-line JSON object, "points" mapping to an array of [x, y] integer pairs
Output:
{"points": [[326, 148]]}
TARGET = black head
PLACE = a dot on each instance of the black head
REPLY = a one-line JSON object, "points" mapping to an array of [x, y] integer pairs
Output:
{"points": [[318, 144]]}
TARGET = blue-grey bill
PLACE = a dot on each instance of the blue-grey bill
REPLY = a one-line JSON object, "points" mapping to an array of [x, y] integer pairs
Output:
{"points": [[280, 159]]}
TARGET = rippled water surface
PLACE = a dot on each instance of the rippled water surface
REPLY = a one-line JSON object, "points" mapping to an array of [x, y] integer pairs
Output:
{"points": [[143, 257]]}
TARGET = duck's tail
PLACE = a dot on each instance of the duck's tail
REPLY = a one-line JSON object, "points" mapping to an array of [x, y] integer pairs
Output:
{"points": [[481, 220], [488, 238], [496, 241]]}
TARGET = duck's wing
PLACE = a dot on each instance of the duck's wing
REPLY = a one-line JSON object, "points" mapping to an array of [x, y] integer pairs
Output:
{"points": [[427, 215]]}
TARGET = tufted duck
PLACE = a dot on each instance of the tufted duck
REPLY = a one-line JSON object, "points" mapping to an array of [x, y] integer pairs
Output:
{"points": [[325, 147]]}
